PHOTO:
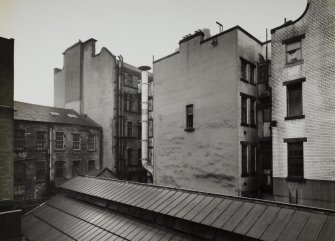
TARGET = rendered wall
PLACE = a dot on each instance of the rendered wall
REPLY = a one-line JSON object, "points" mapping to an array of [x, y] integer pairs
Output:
{"points": [[318, 126]]}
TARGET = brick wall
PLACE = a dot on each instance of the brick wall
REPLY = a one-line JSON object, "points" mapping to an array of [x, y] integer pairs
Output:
{"points": [[318, 54]]}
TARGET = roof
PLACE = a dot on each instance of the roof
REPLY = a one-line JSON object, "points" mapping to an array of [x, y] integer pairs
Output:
{"points": [[143, 207], [105, 172], [39, 113]]}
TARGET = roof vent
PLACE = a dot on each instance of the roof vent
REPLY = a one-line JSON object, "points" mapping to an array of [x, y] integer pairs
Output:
{"points": [[72, 115], [54, 113]]}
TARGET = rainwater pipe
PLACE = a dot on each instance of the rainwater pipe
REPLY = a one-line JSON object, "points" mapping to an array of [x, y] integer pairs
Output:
{"points": [[144, 119]]}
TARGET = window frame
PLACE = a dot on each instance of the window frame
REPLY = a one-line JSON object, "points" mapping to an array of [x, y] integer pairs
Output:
{"points": [[79, 168], [292, 172], [91, 146], [244, 159], [41, 142], [58, 169], [90, 167], [252, 112], [59, 142], [43, 170], [76, 144], [129, 129], [19, 140], [244, 110], [129, 157], [289, 113]]}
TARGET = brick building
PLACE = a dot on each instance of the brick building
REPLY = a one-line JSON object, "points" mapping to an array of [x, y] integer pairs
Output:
{"points": [[51, 145], [105, 89], [6, 117], [206, 124], [303, 107]]}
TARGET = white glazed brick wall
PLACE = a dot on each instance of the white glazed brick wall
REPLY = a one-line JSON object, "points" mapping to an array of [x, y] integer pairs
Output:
{"points": [[318, 51]]}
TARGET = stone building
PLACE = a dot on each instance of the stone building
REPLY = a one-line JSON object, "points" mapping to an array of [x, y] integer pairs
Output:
{"points": [[303, 57], [51, 145], [205, 112], [6, 117], [105, 89]]}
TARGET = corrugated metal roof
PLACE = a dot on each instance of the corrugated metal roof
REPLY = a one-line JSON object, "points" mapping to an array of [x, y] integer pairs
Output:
{"points": [[214, 215], [40, 113]]}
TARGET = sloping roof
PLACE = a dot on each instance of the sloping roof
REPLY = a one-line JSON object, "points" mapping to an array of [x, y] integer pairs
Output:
{"points": [[204, 215], [106, 173], [40, 113]]}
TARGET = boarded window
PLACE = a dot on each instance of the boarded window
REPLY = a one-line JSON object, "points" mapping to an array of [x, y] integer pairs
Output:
{"points": [[295, 152], [41, 171], [41, 137], [76, 141], [19, 140], [59, 169], [59, 144], [294, 100]]}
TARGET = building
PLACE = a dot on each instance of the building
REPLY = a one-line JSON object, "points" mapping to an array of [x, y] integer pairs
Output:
{"points": [[120, 210], [51, 145], [205, 112], [303, 107], [6, 118], [105, 89]]}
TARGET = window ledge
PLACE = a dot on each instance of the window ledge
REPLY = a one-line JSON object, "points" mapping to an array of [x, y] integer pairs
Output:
{"points": [[244, 80], [244, 124], [294, 117], [189, 129], [294, 63], [296, 179]]}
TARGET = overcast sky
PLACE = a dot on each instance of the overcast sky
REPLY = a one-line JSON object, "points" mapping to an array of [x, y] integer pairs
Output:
{"points": [[136, 29]]}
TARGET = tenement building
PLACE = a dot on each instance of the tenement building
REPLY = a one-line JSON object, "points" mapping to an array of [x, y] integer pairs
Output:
{"points": [[205, 107], [106, 89], [6, 118], [51, 145], [304, 107]]}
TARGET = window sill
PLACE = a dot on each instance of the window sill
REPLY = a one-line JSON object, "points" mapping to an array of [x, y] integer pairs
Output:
{"points": [[294, 63], [244, 124], [296, 179], [294, 117], [244, 80], [189, 129]]}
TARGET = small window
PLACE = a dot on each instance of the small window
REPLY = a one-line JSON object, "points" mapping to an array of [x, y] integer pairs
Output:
{"points": [[244, 152], [91, 165], [263, 73], [150, 104], [252, 75], [54, 113], [295, 160], [59, 144], [129, 129], [129, 156], [41, 171], [41, 137], [252, 166], [72, 116], [244, 110], [189, 117], [91, 143], [244, 66], [127, 102], [76, 141], [134, 161], [76, 168], [59, 169], [293, 52], [252, 112], [139, 154], [294, 100], [19, 139]]}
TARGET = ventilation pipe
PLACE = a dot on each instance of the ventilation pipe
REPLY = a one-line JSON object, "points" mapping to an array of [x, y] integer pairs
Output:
{"points": [[144, 142]]}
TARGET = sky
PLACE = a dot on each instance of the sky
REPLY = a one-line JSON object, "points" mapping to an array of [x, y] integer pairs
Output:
{"points": [[139, 30]]}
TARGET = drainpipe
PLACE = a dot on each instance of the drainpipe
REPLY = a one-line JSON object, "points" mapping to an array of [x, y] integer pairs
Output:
{"points": [[144, 96]]}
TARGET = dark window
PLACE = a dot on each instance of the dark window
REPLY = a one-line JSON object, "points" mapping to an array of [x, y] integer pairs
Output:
{"points": [[244, 148], [129, 129], [59, 144], [41, 137], [150, 104], [252, 112], [293, 52], [263, 73], [189, 116], [76, 168], [295, 167], [243, 70], [267, 115], [294, 100], [244, 110], [19, 173], [252, 74], [76, 141], [252, 166], [19, 140], [91, 165], [91, 143], [129, 156], [41, 171], [139, 130], [150, 155], [59, 169]]}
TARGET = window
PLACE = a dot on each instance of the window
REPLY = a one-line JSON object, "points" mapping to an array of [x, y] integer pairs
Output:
{"points": [[41, 137], [263, 73], [59, 169], [41, 171], [54, 113], [266, 115], [76, 168], [127, 102], [129, 129], [244, 149], [129, 156], [295, 159], [76, 141], [19, 173], [59, 144], [252, 112], [139, 154], [293, 52], [134, 161], [150, 104], [244, 110], [72, 116], [252, 166], [19, 140], [252, 74], [91, 143], [139, 130], [151, 128], [244, 66], [294, 100], [189, 118], [91, 165]]}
